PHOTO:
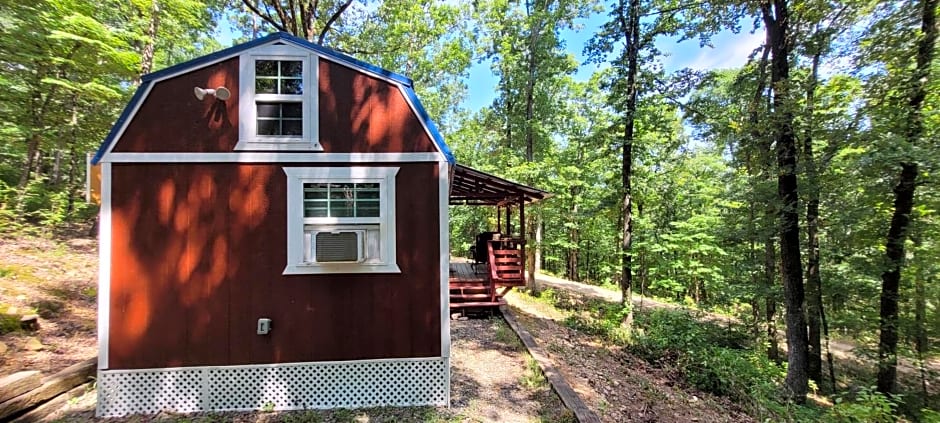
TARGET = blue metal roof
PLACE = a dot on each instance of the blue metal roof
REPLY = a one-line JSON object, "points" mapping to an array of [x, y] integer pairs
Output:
{"points": [[432, 128], [334, 55], [126, 114]]}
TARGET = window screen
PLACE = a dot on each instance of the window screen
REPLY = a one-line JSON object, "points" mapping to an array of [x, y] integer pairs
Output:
{"points": [[341, 200]]}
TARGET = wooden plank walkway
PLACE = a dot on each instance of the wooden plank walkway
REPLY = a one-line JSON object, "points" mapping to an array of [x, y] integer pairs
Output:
{"points": [[467, 272], [558, 382]]}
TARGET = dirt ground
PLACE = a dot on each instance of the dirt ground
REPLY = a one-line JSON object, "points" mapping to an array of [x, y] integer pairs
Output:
{"points": [[617, 386], [493, 379], [56, 279], [849, 358]]}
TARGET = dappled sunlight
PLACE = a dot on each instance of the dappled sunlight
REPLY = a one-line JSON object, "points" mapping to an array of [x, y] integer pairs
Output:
{"points": [[248, 201], [173, 120], [360, 113], [174, 254], [165, 200], [132, 305], [219, 265]]}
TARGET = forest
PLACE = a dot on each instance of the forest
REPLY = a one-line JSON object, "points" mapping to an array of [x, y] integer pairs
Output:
{"points": [[796, 193]]}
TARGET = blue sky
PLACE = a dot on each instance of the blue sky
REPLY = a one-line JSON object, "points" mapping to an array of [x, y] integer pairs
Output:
{"points": [[730, 50]]}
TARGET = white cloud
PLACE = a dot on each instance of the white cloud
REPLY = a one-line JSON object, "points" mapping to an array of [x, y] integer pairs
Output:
{"points": [[730, 51]]}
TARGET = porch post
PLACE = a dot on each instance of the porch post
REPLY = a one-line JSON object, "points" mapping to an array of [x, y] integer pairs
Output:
{"points": [[499, 219], [508, 215], [522, 229]]}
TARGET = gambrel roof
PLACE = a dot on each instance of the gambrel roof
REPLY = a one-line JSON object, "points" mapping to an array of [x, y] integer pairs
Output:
{"points": [[147, 81]]}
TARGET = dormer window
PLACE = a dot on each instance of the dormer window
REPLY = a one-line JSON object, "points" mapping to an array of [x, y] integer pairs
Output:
{"points": [[279, 98], [277, 106]]}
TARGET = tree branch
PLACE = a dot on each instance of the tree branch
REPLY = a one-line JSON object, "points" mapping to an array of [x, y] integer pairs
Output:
{"points": [[292, 22], [329, 23], [663, 91], [267, 18], [679, 8]]}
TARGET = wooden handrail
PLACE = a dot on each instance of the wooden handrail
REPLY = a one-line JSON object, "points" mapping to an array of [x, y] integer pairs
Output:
{"points": [[504, 260], [491, 263]]}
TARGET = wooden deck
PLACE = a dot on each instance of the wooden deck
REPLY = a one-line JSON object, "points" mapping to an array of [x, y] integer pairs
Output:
{"points": [[470, 286], [483, 285]]}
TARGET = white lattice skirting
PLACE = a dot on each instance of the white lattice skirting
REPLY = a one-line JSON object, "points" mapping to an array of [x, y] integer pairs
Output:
{"points": [[294, 386]]}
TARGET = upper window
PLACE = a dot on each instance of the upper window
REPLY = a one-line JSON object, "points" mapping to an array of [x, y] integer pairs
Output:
{"points": [[278, 109], [341, 220]]}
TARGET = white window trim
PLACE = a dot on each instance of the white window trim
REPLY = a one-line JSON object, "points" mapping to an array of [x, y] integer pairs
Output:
{"points": [[248, 138], [297, 176]]}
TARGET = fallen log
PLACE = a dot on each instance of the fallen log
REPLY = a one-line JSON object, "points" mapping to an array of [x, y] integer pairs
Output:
{"points": [[46, 411], [52, 386], [18, 383]]}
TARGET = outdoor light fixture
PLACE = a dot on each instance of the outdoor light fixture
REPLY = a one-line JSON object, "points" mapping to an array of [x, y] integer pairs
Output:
{"points": [[220, 93]]}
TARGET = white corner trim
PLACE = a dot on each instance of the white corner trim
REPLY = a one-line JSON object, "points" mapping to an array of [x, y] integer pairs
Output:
{"points": [[297, 176], [88, 158], [104, 267], [272, 157], [314, 107], [443, 203]]}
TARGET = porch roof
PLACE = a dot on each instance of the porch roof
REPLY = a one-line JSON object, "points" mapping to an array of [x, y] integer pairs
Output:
{"points": [[473, 187]]}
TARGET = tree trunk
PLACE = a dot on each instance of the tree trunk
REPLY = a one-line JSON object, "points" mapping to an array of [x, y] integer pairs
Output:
{"points": [[147, 51], [813, 278], [630, 27], [574, 238], [32, 152], [776, 20], [770, 300], [766, 278], [534, 233], [531, 229], [921, 341], [903, 205]]}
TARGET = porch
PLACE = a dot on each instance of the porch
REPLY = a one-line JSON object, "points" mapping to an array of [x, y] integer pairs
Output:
{"points": [[498, 257]]}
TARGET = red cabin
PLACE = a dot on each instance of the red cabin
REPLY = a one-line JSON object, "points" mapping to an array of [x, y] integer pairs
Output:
{"points": [[273, 235]]}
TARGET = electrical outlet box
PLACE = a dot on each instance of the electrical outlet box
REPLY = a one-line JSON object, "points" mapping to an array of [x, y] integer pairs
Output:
{"points": [[264, 326]]}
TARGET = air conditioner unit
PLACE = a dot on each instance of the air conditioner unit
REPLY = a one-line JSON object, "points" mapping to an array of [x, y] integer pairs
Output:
{"points": [[338, 246]]}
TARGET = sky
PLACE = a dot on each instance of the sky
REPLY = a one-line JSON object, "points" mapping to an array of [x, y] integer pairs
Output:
{"points": [[730, 51]]}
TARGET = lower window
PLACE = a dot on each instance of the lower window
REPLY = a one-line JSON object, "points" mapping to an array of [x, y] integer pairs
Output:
{"points": [[341, 220]]}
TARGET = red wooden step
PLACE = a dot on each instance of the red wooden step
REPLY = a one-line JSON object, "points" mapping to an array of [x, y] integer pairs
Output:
{"points": [[468, 296], [479, 304]]}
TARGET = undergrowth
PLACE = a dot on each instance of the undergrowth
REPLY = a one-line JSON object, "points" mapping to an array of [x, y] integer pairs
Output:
{"points": [[41, 209], [719, 360]]}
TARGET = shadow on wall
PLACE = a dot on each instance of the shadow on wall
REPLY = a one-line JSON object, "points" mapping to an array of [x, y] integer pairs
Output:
{"points": [[180, 234], [198, 249], [359, 113], [198, 252]]}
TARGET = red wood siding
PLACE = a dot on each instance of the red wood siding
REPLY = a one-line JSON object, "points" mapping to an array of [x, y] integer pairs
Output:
{"points": [[198, 251], [358, 114], [362, 114], [171, 119]]}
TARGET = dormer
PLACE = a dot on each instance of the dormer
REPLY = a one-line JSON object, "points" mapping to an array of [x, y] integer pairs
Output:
{"points": [[279, 106]]}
